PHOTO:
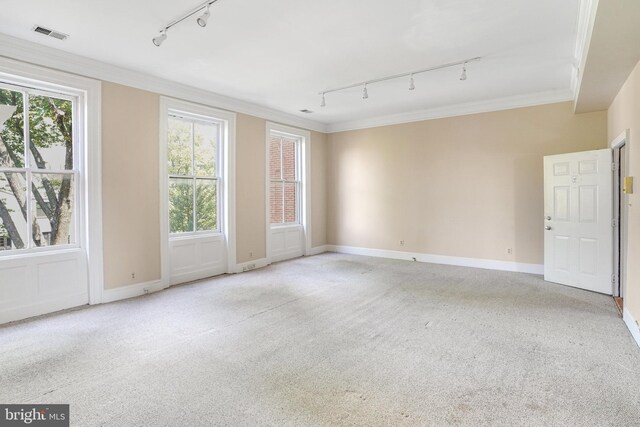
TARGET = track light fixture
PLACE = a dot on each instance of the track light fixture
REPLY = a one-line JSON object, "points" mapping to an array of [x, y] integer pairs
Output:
{"points": [[412, 86], [324, 102], [202, 20], [157, 40]]}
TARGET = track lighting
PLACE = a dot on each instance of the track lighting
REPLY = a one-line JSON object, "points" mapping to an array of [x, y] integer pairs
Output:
{"points": [[157, 40], [202, 20], [412, 86]]}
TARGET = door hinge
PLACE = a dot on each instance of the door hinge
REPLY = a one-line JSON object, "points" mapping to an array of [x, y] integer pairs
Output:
{"points": [[614, 222], [613, 279], [614, 166]]}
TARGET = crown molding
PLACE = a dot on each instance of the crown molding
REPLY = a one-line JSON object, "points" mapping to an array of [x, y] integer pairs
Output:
{"points": [[33, 53], [498, 104], [37, 54]]}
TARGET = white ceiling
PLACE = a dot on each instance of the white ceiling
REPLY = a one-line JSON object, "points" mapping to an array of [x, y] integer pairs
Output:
{"points": [[281, 53], [613, 51]]}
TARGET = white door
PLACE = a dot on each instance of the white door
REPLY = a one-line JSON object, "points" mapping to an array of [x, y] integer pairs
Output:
{"points": [[578, 246]]}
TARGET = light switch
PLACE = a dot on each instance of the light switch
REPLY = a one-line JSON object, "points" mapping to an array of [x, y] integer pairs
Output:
{"points": [[627, 186]]}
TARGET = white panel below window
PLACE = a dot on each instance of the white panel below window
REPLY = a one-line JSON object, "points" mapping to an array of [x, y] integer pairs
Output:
{"points": [[196, 257]]}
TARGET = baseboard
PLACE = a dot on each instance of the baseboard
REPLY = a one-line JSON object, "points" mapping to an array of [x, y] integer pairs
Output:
{"points": [[441, 259], [250, 265], [317, 250], [192, 276], [130, 291], [632, 325]]}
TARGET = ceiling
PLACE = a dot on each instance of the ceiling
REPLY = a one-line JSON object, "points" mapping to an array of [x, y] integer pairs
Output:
{"points": [[612, 53], [280, 53]]}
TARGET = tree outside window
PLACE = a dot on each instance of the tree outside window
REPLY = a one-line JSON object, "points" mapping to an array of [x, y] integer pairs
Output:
{"points": [[192, 156], [37, 174]]}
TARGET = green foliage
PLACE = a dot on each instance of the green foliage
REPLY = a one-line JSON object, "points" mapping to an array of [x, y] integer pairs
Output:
{"points": [[191, 147], [51, 140], [13, 135]]}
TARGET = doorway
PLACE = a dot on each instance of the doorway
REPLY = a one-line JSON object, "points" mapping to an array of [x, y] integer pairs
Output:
{"points": [[620, 167]]}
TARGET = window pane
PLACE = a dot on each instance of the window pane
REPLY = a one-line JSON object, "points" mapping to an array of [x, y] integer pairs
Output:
{"points": [[206, 136], [52, 206], [13, 211], [51, 132], [276, 203], [11, 128], [274, 159], [179, 146], [290, 202], [206, 204], [288, 159], [180, 205]]}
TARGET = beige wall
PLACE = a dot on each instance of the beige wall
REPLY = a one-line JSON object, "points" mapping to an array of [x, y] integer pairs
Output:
{"points": [[131, 204], [130, 187], [468, 186], [318, 189], [624, 113], [250, 188]]}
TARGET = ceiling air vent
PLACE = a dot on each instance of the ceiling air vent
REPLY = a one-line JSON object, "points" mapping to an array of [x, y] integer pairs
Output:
{"points": [[306, 111], [51, 33]]}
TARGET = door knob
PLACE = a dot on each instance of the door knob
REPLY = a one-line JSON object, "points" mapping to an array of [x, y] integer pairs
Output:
{"points": [[547, 227]]}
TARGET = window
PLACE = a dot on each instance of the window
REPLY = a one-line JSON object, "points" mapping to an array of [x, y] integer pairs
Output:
{"points": [[193, 153], [38, 168], [284, 173]]}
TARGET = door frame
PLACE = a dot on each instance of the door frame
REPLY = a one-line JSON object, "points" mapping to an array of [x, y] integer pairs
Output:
{"points": [[305, 209], [619, 231]]}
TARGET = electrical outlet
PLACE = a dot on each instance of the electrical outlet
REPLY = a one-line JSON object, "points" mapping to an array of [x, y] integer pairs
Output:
{"points": [[401, 242], [509, 251], [145, 290], [133, 275], [250, 254]]}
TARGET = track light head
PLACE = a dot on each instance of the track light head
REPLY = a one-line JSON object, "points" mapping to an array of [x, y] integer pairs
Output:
{"points": [[202, 20], [365, 92], [324, 102], [157, 40], [463, 76], [412, 85]]}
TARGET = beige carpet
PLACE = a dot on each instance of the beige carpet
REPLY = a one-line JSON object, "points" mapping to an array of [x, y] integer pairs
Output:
{"points": [[335, 340]]}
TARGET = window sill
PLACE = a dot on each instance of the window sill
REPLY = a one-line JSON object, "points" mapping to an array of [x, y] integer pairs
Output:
{"points": [[193, 236], [19, 254]]}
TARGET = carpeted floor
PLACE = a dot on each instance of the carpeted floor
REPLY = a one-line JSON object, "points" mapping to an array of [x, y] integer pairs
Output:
{"points": [[335, 340]]}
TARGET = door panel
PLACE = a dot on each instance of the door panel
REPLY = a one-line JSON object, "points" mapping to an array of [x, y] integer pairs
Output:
{"points": [[578, 219]]}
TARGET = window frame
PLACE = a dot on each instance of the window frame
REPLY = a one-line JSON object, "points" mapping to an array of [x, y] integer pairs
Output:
{"points": [[298, 140], [79, 116], [184, 114]]}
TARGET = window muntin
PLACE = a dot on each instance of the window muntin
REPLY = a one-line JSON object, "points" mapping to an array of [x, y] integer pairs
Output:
{"points": [[193, 150], [284, 173], [38, 169]]}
